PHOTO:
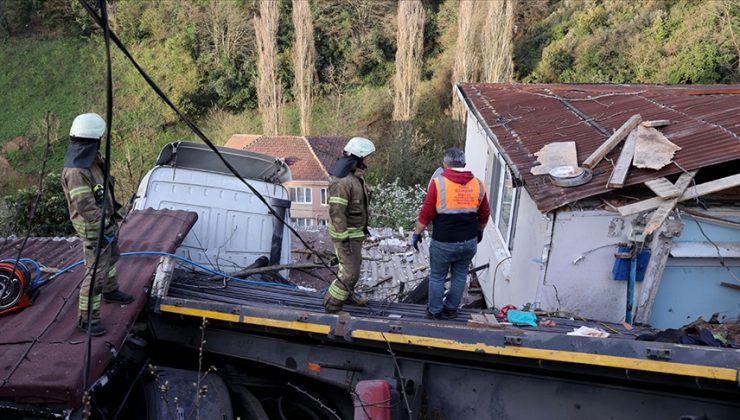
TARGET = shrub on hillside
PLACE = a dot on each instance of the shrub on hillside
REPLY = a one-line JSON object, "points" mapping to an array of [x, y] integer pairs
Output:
{"points": [[52, 215]]}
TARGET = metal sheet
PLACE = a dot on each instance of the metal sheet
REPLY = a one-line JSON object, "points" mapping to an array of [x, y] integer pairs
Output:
{"points": [[705, 123]]}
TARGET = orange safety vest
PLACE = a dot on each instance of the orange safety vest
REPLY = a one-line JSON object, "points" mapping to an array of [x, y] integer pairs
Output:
{"points": [[455, 198]]}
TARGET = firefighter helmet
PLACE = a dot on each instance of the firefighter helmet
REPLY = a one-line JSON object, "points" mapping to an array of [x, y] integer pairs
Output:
{"points": [[360, 147], [88, 126]]}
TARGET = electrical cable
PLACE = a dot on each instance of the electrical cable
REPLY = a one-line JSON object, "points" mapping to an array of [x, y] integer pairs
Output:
{"points": [[180, 258], [110, 35], [716, 247]]}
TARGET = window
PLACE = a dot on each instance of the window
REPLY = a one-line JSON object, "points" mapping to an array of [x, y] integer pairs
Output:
{"points": [[302, 222], [323, 222], [324, 196], [300, 195], [502, 196]]}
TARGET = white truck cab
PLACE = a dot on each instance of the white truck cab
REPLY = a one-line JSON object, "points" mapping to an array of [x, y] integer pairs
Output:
{"points": [[234, 226]]}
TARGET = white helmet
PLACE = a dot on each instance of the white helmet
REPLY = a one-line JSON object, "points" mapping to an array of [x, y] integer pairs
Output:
{"points": [[88, 126], [360, 147]]}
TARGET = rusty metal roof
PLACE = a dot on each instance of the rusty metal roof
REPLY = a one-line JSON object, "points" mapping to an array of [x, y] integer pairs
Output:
{"points": [[705, 123], [41, 350]]}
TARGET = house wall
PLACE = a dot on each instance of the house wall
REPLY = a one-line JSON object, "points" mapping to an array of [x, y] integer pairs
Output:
{"points": [[315, 210], [691, 285], [579, 276]]}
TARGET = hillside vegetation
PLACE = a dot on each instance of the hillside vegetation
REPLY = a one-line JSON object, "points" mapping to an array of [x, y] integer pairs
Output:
{"points": [[203, 54]]}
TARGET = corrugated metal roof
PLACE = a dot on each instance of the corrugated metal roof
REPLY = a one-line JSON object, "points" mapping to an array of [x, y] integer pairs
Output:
{"points": [[42, 350], [705, 123]]}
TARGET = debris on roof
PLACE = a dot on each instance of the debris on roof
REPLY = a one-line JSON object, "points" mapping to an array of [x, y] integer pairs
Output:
{"points": [[653, 150], [703, 121], [553, 155]]}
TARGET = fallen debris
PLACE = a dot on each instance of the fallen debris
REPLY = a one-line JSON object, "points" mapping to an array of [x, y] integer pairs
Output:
{"points": [[693, 192], [656, 123], [653, 150], [589, 332], [612, 141], [553, 155], [619, 174], [484, 320], [663, 188], [660, 214]]}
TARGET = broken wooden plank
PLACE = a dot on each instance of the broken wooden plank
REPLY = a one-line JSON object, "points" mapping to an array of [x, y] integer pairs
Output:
{"points": [[612, 141], [660, 214], [730, 285], [653, 150], [663, 188], [656, 123], [693, 192], [553, 155], [619, 174], [484, 320]]}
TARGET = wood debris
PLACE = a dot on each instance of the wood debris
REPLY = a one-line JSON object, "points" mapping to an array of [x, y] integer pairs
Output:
{"points": [[619, 174], [660, 214], [693, 192], [663, 188], [653, 150], [612, 141], [553, 155], [484, 320], [656, 123]]}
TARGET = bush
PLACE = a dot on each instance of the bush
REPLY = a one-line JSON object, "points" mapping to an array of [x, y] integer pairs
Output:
{"points": [[394, 205], [52, 215]]}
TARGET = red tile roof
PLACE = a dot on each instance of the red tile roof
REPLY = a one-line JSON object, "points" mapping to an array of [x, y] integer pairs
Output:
{"points": [[309, 158], [42, 350], [705, 123]]}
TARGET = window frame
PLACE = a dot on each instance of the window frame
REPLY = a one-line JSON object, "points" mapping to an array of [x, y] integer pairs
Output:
{"points": [[324, 196], [497, 174], [306, 197]]}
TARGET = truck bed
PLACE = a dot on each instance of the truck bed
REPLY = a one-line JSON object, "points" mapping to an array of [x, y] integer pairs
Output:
{"points": [[41, 350], [544, 349]]}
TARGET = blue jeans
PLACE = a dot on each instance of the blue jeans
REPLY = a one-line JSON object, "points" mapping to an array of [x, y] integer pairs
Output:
{"points": [[444, 257]]}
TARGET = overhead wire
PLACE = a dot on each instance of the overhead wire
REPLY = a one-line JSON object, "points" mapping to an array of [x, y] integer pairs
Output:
{"points": [[112, 37]]}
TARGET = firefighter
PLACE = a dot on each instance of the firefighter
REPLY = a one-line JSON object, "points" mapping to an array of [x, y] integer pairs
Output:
{"points": [[82, 180], [348, 219]]}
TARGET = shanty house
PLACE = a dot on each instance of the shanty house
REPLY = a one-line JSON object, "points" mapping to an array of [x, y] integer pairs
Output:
{"points": [[557, 247], [309, 159]]}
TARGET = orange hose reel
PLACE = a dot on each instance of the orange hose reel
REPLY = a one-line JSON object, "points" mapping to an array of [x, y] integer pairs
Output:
{"points": [[13, 288]]}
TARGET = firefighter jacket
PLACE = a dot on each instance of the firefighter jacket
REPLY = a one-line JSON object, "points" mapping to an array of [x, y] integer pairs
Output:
{"points": [[348, 207], [83, 189]]}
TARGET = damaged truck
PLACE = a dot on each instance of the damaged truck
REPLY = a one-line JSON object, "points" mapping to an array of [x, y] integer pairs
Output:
{"points": [[201, 343]]}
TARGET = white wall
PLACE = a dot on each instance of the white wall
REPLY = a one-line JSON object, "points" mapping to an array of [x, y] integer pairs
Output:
{"points": [[579, 274]]}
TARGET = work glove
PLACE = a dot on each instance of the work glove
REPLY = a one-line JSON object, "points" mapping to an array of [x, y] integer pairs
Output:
{"points": [[415, 239], [480, 236]]}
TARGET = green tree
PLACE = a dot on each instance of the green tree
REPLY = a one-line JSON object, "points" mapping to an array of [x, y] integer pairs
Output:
{"points": [[51, 217]]}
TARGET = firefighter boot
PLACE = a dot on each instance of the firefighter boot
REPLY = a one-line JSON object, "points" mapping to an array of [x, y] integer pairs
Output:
{"points": [[96, 327], [331, 305], [358, 299], [118, 296]]}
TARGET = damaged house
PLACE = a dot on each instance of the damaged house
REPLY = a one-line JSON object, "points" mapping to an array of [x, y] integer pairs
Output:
{"points": [[587, 181]]}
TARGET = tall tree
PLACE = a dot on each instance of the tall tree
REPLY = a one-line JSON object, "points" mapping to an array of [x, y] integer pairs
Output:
{"points": [[304, 59], [409, 54], [466, 59], [269, 89], [497, 42]]}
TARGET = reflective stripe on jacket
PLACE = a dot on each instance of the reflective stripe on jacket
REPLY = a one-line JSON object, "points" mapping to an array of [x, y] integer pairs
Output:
{"points": [[80, 187], [348, 207]]}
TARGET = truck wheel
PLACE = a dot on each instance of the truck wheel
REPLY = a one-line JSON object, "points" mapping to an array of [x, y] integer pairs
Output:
{"points": [[249, 406], [171, 394]]}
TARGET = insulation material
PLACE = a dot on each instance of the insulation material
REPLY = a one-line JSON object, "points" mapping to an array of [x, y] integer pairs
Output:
{"points": [[553, 155], [653, 150]]}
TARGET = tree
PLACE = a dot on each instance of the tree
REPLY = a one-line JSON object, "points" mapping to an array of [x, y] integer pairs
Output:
{"points": [[304, 58], [269, 89], [497, 41], [409, 55], [52, 215]]}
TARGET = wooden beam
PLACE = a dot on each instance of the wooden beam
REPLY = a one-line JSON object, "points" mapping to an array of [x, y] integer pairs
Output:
{"points": [[663, 188], [661, 246], [619, 174], [656, 123], [660, 214], [612, 141], [701, 189]]}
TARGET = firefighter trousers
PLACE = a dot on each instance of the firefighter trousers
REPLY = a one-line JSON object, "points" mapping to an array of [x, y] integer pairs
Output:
{"points": [[106, 277], [350, 261]]}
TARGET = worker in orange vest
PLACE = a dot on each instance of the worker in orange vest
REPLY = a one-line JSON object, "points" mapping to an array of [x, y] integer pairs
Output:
{"points": [[457, 205]]}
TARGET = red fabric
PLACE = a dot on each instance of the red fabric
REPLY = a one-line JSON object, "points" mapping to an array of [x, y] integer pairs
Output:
{"points": [[428, 208]]}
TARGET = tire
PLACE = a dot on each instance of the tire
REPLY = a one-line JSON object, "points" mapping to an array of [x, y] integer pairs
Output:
{"points": [[170, 395]]}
